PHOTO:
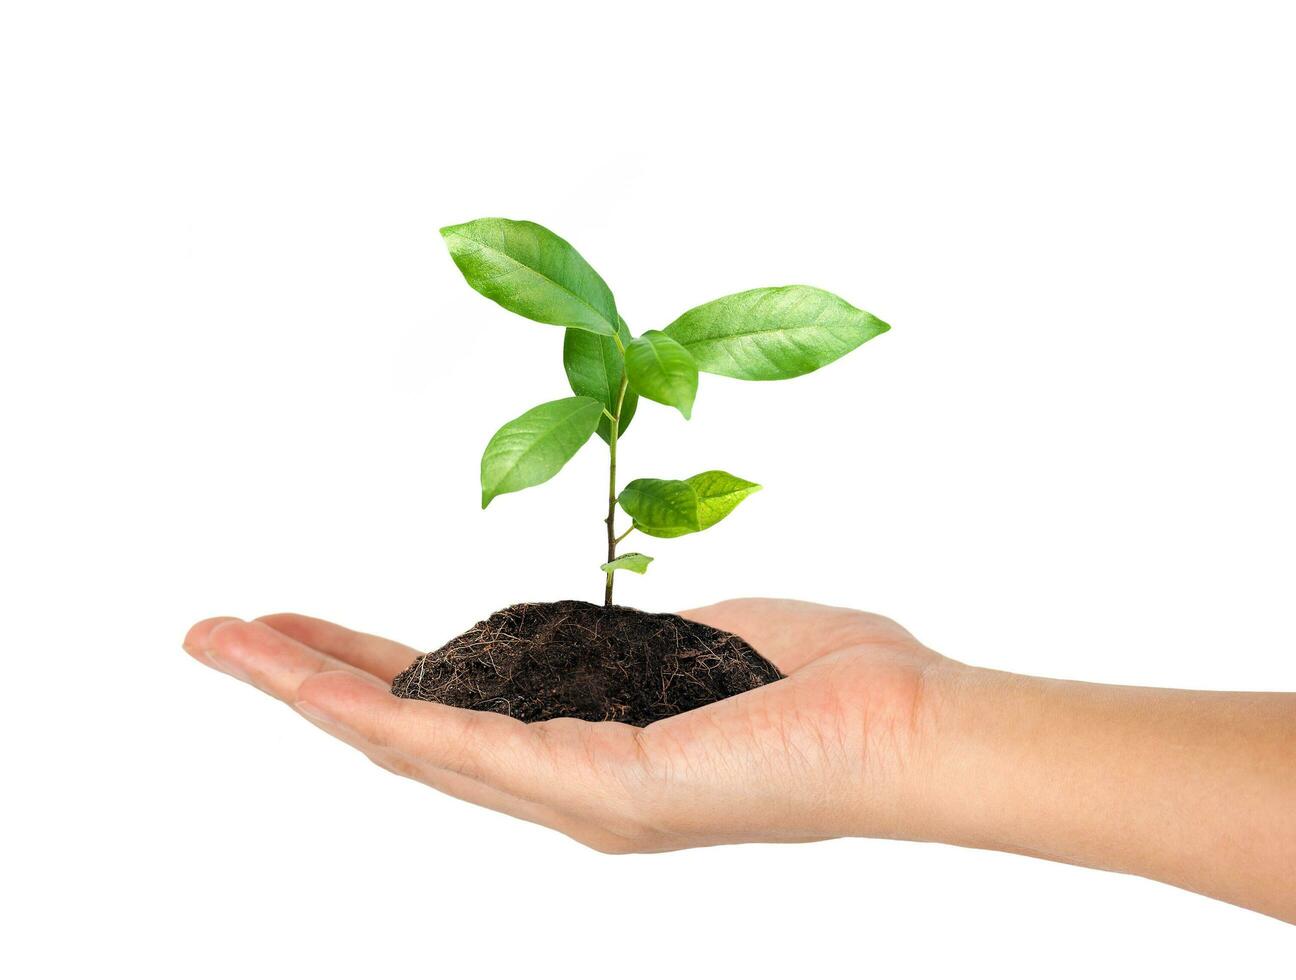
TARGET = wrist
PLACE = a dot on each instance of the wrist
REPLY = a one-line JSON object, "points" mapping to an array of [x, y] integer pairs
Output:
{"points": [[977, 750]]}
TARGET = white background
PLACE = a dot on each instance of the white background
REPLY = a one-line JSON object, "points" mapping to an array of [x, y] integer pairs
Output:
{"points": [[240, 375]]}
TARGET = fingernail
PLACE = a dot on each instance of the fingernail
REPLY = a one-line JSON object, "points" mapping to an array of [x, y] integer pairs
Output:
{"points": [[226, 666]]}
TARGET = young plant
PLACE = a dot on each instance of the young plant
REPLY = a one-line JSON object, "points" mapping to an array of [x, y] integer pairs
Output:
{"points": [[758, 335]]}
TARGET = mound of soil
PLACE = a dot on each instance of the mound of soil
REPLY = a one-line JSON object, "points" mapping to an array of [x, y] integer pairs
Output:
{"points": [[536, 661]]}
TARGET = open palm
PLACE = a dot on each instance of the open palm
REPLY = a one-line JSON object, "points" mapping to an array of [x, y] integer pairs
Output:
{"points": [[823, 753]]}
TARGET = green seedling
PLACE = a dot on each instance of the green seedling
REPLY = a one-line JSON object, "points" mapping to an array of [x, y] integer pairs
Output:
{"points": [[759, 335]]}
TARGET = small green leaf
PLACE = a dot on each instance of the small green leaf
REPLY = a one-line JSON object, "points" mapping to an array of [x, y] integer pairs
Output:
{"points": [[529, 270], [671, 508], [536, 445], [661, 369], [661, 508], [631, 561], [718, 494], [773, 333], [593, 365]]}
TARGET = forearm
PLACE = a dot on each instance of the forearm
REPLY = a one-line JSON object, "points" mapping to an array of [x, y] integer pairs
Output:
{"points": [[1193, 788]]}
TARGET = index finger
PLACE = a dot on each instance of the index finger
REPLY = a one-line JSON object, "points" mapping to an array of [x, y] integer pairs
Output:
{"points": [[372, 654], [574, 766]]}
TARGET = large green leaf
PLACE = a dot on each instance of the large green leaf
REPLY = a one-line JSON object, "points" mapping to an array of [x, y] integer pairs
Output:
{"points": [[528, 269], [670, 508], [593, 365], [631, 561], [661, 369], [718, 494], [773, 333], [536, 445], [662, 508]]}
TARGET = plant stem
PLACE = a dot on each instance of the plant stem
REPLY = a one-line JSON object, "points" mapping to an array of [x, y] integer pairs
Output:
{"points": [[612, 491]]}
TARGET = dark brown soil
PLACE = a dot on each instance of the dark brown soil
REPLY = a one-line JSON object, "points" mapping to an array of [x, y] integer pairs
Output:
{"points": [[536, 661]]}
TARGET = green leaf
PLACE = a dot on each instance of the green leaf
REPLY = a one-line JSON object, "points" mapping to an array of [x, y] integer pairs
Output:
{"points": [[531, 271], [593, 365], [664, 532], [660, 369], [773, 333], [536, 445], [631, 561], [718, 494], [670, 508], [662, 508]]}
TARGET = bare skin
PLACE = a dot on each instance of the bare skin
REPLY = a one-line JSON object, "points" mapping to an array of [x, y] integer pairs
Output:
{"points": [[871, 735]]}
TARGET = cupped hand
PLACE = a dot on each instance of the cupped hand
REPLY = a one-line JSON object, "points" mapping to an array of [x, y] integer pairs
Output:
{"points": [[837, 748]]}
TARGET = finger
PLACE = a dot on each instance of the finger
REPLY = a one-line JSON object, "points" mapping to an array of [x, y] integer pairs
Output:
{"points": [[270, 661], [372, 654], [278, 665], [579, 768], [779, 630], [195, 641], [477, 793], [790, 633]]}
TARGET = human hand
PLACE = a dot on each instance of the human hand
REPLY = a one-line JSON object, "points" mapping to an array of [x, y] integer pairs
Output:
{"points": [[870, 734], [840, 747]]}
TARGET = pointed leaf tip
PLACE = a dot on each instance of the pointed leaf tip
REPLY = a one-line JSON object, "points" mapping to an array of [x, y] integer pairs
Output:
{"points": [[718, 494]]}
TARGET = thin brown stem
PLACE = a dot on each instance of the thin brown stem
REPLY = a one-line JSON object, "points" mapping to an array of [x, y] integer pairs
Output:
{"points": [[612, 492]]}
